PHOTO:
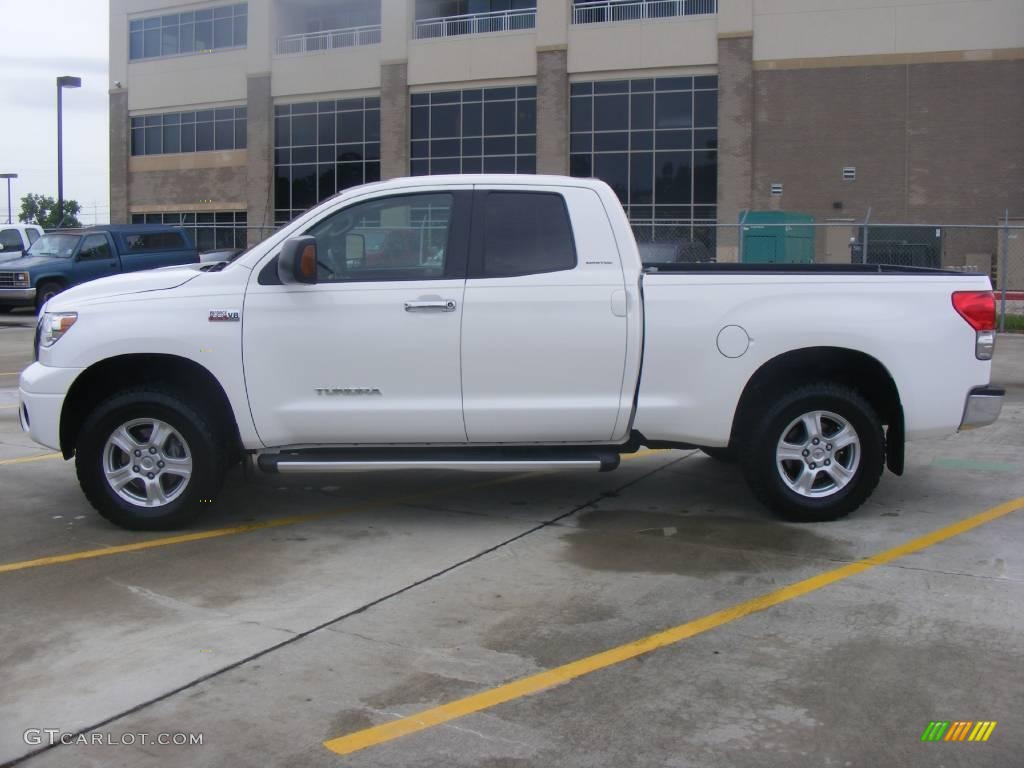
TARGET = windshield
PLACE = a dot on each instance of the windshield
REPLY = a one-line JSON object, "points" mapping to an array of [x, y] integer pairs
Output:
{"points": [[60, 246]]}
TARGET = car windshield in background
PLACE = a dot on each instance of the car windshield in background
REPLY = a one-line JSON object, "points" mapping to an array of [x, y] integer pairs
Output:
{"points": [[60, 246]]}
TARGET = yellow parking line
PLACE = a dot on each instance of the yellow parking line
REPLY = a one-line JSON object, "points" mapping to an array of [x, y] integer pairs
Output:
{"points": [[10, 374], [526, 686], [167, 541], [26, 459], [7, 407]]}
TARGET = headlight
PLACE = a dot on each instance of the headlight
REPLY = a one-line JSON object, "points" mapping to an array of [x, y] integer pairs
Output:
{"points": [[22, 280], [55, 325]]}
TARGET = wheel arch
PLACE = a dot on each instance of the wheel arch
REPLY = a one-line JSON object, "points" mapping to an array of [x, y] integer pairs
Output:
{"points": [[93, 385], [853, 368]]}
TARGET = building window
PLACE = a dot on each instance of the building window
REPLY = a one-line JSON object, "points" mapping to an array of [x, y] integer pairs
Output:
{"points": [[210, 231], [191, 32], [321, 148], [205, 130], [604, 11], [488, 130], [311, 29], [445, 18], [655, 142]]}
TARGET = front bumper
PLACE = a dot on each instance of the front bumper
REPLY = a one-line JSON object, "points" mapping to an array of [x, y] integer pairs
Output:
{"points": [[41, 393], [18, 296], [982, 408]]}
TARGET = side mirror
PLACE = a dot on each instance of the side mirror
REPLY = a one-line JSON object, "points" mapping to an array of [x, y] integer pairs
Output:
{"points": [[297, 261]]}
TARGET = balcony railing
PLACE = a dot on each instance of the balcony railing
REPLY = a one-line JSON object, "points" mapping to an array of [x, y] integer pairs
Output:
{"points": [[329, 39], [605, 11], [475, 24]]}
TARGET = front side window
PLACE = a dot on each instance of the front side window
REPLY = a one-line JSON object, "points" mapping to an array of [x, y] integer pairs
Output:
{"points": [[525, 233], [95, 247], [33, 235], [190, 32], [395, 238]]}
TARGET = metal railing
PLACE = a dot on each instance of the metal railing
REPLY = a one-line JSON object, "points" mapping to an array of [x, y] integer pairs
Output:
{"points": [[475, 24], [605, 11], [328, 39]]}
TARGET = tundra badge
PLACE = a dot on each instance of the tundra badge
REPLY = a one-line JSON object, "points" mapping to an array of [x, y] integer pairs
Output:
{"points": [[225, 316]]}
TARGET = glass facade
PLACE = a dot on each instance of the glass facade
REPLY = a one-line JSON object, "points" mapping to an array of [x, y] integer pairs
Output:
{"points": [[432, 9], [201, 131], [191, 32], [480, 130], [655, 142], [321, 148], [209, 230]]}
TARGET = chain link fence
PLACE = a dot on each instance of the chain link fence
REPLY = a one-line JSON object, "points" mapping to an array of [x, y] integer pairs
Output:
{"points": [[994, 250]]}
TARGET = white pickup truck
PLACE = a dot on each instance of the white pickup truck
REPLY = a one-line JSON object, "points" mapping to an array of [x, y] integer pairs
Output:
{"points": [[498, 323]]}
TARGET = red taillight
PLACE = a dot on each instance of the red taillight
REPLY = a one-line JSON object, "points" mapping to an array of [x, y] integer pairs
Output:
{"points": [[978, 308]]}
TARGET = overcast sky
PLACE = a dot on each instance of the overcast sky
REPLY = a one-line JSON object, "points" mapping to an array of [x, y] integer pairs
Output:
{"points": [[44, 39]]}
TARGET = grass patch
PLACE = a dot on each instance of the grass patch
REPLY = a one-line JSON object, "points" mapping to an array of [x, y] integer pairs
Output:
{"points": [[1014, 323]]}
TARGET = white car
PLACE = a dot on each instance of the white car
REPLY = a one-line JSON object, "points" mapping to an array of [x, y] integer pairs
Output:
{"points": [[499, 323]]}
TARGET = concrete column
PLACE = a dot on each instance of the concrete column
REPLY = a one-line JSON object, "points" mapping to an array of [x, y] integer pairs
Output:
{"points": [[735, 136], [552, 111], [120, 144], [259, 187], [394, 119]]}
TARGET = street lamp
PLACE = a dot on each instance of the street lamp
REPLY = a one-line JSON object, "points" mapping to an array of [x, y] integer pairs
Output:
{"points": [[67, 81], [9, 176]]}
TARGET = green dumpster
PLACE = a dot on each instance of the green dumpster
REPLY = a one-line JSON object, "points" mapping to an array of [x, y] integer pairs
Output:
{"points": [[775, 237]]}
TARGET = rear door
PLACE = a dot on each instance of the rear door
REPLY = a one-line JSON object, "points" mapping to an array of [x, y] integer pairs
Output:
{"points": [[96, 258], [544, 331]]}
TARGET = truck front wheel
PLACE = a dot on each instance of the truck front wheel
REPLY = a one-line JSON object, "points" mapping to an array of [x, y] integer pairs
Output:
{"points": [[46, 291], [816, 454], [147, 460]]}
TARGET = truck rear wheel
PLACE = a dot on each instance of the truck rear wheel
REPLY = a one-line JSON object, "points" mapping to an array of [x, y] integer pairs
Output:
{"points": [[816, 454], [148, 461]]}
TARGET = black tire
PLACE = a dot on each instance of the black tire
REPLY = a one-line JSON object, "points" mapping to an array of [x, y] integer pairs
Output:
{"points": [[5, 309], [201, 443], [760, 443], [46, 291], [724, 455]]}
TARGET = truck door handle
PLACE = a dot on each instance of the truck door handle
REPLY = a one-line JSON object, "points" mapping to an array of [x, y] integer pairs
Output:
{"points": [[430, 305]]}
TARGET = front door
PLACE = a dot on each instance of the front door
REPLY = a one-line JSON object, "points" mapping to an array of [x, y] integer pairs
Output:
{"points": [[370, 353], [95, 259]]}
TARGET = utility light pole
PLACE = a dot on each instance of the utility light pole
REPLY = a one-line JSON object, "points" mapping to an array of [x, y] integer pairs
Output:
{"points": [[9, 176], [67, 81]]}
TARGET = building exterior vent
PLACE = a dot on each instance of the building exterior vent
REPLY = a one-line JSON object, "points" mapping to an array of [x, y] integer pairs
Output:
{"points": [[776, 188], [850, 173]]}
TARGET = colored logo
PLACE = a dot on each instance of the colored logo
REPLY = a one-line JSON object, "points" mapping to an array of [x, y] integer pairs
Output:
{"points": [[958, 730]]}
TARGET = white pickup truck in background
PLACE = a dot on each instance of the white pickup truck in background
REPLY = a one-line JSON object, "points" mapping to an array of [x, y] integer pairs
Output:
{"points": [[497, 323]]}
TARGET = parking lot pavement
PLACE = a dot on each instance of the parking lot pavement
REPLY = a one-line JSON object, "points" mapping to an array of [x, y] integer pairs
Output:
{"points": [[299, 613]]}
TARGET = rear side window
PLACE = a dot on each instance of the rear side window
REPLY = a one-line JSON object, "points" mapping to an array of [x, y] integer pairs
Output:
{"points": [[154, 241], [10, 240], [526, 233]]}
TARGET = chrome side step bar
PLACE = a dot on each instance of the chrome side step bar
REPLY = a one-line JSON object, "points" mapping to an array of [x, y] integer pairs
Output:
{"points": [[487, 459], [286, 466]]}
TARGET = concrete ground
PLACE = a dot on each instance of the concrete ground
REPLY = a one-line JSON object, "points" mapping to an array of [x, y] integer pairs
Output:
{"points": [[303, 612]]}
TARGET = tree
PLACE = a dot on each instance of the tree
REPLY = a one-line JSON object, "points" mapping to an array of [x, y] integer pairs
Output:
{"points": [[42, 210]]}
